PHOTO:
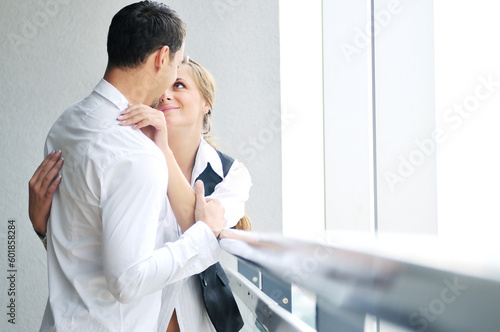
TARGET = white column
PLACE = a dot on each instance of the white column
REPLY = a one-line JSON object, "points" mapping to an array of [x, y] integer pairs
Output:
{"points": [[405, 116], [348, 115], [467, 111], [302, 117]]}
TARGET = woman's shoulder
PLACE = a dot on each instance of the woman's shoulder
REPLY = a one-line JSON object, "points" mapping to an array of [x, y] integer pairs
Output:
{"points": [[220, 161], [226, 160]]}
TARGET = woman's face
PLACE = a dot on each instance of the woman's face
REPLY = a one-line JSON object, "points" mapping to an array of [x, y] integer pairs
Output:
{"points": [[182, 103]]}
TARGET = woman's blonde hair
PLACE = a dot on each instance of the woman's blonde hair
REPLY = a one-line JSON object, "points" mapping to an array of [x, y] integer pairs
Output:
{"points": [[206, 85], [244, 224]]}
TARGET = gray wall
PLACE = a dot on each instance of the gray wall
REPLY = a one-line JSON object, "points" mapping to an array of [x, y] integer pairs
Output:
{"points": [[53, 53]]}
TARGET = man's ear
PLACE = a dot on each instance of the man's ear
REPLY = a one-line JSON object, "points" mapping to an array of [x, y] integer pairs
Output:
{"points": [[162, 57]]}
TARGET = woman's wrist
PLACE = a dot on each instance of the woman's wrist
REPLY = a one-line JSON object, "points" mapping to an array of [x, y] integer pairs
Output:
{"points": [[42, 236], [220, 236], [40, 231]]}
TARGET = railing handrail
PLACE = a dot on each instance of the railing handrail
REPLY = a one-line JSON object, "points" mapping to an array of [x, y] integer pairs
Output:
{"points": [[409, 293]]}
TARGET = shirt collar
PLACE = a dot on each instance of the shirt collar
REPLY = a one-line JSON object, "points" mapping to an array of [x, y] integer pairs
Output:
{"points": [[206, 154], [108, 91]]}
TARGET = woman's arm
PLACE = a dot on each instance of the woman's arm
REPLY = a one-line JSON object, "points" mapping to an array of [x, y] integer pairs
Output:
{"points": [[233, 191], [42, 186], [181, 195]]}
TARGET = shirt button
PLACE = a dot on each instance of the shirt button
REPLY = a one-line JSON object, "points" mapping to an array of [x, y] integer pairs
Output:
{"points": [[205, 283]]}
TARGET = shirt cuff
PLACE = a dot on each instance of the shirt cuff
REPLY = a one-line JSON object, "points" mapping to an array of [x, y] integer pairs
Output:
{"points": [[202, 234], [195, 251]]}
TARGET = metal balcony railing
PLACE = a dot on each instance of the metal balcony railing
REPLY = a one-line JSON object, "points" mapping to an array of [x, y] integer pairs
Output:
{"points": [[417, 284]]}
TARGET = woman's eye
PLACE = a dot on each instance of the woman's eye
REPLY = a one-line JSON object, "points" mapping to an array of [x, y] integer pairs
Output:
{"points": [[179, 85]]}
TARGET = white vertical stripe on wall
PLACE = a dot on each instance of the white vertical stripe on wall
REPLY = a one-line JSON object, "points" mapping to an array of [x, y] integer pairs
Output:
{"points": [[348, 115]]}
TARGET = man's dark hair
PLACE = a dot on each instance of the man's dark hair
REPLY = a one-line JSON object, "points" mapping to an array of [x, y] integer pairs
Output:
{"points": [[140, 29]]}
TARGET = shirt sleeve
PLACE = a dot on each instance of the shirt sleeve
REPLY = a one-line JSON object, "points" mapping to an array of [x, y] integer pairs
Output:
{"points": [[133, 189], [233, 192]]}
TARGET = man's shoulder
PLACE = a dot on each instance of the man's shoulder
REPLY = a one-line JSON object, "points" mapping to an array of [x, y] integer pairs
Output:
{"points": [[76, 112], [89, 133]]}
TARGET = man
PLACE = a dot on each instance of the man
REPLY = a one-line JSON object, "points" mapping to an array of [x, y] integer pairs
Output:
{"points": [[105, 266]]}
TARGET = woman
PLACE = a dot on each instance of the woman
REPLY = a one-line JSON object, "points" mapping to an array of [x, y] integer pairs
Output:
{"points": [[185, 109]]}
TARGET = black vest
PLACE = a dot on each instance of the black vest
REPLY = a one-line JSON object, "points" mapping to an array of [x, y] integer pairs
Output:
{"points": [[217, 296]]}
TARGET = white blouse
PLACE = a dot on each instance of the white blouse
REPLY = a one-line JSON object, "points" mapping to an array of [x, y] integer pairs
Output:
{"points": [[185, 296]]}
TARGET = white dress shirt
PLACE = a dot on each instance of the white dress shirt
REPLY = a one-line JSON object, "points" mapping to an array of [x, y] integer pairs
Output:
{"points": [[185, 296], [106, 264]]}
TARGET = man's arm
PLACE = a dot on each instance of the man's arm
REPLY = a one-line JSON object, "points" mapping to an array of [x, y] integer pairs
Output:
{"points": [[132, 192]]}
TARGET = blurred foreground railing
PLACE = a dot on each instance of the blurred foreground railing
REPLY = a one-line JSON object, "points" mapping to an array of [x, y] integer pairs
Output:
{"points": [[420, 286]]}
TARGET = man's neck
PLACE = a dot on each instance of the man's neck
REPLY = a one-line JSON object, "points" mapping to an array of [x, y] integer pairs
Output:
{"points": [[128, 82]]}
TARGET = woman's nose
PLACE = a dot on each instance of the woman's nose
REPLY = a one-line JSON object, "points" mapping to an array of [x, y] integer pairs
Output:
{"points": [[164, 97]]}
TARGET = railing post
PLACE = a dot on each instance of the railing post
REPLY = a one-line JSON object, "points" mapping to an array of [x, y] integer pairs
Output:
{"points": [[249, 272], [279, 291]]}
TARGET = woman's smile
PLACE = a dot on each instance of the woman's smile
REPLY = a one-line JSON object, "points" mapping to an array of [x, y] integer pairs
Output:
{"points": [[168, 108]]}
